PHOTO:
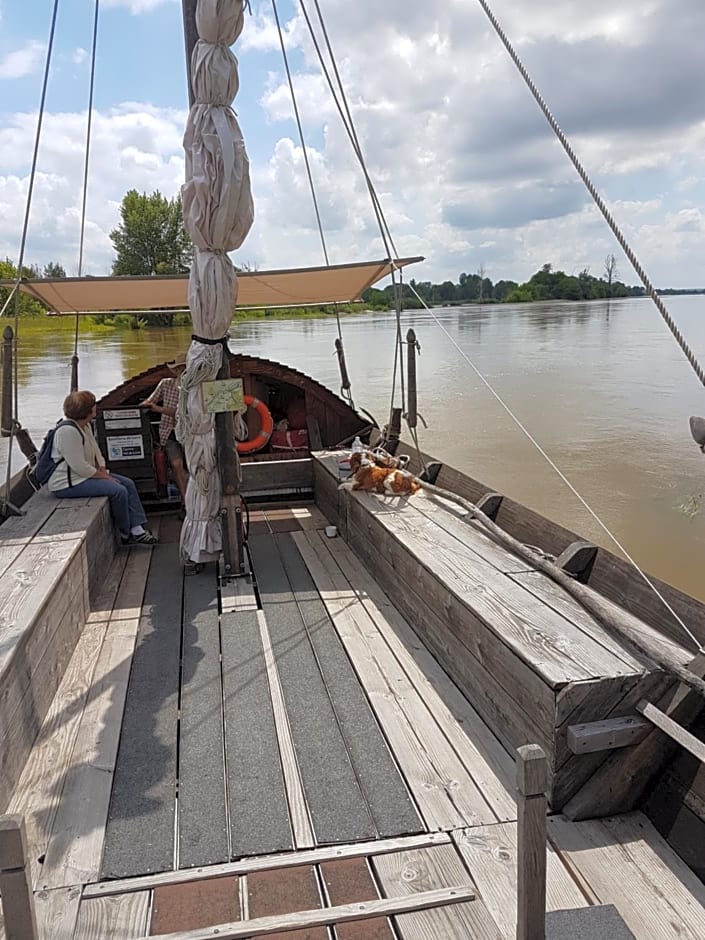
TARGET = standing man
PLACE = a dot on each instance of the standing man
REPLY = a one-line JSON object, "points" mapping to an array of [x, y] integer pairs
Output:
{"points": [[164, 400]]}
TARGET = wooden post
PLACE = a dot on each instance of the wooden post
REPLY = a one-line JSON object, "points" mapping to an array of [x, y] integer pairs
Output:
{"points": [[532, 781], [411, 379], [230, 505], [6, 419], [15, 885], [190, 40]]}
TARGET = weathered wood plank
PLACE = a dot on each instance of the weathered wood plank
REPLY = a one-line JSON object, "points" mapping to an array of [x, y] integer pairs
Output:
{"points": [[259, 815], [17, 532], [303, 924], [408, 873], [628, 864], [387, 797], [674, 731], [300, 819], [267, 862], [487, 761], [124, 916], [607, 735], [444, 792], [140, 832], [532, 779], [490, 854], [277, 476], [16, 896], [57, 912], [202, 825], [324, 763]]}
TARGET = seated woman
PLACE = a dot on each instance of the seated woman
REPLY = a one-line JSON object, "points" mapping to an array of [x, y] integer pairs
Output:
{"points": [[81, 471]]}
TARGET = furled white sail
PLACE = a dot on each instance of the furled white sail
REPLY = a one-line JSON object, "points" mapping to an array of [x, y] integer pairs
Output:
{"points": [[218, 214]]}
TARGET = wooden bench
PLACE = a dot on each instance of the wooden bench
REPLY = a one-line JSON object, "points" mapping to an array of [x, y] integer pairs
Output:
{"points": [[527, 656], [52, 563]]}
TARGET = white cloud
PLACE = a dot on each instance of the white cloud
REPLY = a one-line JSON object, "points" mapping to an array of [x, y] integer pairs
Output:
{"points": [[466, 167], [137, 6], [23, 61], [79, 56]]}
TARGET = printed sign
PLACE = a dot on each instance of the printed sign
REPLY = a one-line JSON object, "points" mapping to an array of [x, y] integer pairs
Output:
{"points": [[119, 414], [125, 447], [223, 395], [123, 423]]}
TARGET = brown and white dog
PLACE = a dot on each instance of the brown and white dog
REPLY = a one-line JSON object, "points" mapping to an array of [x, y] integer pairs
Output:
{"points": [[388, 481]]}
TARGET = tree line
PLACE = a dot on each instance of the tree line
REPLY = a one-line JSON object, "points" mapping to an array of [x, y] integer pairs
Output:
{"points": [[545, 284], [150, 238]]}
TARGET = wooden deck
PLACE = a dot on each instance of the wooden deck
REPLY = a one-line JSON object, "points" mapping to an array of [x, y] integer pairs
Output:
{"points": [[287, 746]]}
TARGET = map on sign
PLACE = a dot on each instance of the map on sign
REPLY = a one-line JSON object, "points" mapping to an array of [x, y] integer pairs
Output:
{"points": [[223, 395]]}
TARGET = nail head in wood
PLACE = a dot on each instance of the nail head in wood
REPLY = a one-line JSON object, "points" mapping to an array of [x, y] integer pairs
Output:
{"points": [[532, 770]]}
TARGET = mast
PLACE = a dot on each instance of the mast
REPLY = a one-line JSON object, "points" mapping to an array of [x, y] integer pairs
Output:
{"points": [[218, 214]]}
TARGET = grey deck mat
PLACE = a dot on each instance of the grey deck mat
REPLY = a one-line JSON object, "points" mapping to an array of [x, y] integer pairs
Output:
{"points": [[602, 922], [391, 806], [259, 812], [338, 810], [203, 827], [139, 835]]}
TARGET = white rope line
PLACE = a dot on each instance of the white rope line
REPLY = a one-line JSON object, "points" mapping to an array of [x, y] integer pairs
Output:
{"points": [[522, 427]]}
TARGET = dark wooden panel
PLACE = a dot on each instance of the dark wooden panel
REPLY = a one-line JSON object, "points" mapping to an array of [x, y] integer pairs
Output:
{"points": [[259, 814], [203, 829], [338, 809], [347, 881], [195, 905], [276, 476], [284, 891], [386, 794], [140, 830]]}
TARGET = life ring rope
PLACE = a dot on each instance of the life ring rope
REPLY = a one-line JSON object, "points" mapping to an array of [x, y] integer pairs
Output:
{"points": [[267, 422]]}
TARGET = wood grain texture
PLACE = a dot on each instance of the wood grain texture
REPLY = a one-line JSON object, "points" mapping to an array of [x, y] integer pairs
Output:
{"points": [[627, 863], [123, 917], [265, 863], [487, 761], [444, 791], [407, 873], [490, 854]]}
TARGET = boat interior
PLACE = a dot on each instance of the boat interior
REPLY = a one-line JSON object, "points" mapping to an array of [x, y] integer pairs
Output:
{"points": [[331, 736]]}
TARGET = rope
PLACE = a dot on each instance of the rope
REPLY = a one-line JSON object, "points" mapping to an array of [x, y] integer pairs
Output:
{"points": [[522, 427], [660, 306], [341, 103], [20, 262], [74, 371]]}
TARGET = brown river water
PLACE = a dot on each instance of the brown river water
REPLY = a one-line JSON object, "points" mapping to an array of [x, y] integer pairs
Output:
{"points": [[602, 387]]}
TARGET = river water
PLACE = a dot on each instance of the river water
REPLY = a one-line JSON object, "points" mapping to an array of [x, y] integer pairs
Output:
{"points": [[602, 387]]}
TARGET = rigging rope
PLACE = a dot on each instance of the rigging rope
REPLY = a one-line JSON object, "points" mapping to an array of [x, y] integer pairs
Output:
{"points": [[346, 392], [341, 103], [522, 427], [660, 306], [20, 262], [74, 362]]}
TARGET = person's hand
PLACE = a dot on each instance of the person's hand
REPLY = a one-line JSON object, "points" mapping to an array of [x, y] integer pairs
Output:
{"points": [[148, 404]]}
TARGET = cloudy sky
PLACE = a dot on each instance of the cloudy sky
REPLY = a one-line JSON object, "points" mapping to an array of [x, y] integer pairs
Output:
{"points": [[468, 171]]}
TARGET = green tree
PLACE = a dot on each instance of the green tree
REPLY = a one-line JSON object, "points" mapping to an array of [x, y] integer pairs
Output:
{"points": [[151, 238], [54, 269], [28, 306]]}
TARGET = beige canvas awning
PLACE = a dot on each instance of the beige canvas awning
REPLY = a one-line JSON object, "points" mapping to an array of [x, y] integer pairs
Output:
{"points": [[298, 287]]}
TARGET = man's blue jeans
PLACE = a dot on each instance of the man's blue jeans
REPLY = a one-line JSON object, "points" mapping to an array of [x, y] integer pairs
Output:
{"points": [[125, 503]]}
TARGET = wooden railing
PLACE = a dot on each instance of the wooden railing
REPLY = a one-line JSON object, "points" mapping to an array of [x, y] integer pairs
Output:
{"points": [[15, 886], [532, 782]]}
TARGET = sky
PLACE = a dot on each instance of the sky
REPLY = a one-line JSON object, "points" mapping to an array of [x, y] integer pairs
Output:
{"points": [[468, 172]]}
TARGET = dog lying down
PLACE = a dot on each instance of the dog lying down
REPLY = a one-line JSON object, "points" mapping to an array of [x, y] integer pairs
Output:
{"points": [[389, 480]]}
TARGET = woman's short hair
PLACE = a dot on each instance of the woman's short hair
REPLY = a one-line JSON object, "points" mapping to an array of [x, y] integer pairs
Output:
{"points": [[78, 405]]}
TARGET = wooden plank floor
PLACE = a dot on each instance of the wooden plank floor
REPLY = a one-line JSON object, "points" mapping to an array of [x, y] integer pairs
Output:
{"points": [[298, 749]]}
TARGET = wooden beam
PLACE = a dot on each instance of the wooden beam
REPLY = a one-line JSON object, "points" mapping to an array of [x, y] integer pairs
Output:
{"points": [[532, 781], [607, 735], [15, 887], [674, 731], [342, 914], [247, 866]]}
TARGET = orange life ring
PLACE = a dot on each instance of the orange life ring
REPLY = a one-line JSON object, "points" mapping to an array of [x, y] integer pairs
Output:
{"points": [[258, 442]]}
